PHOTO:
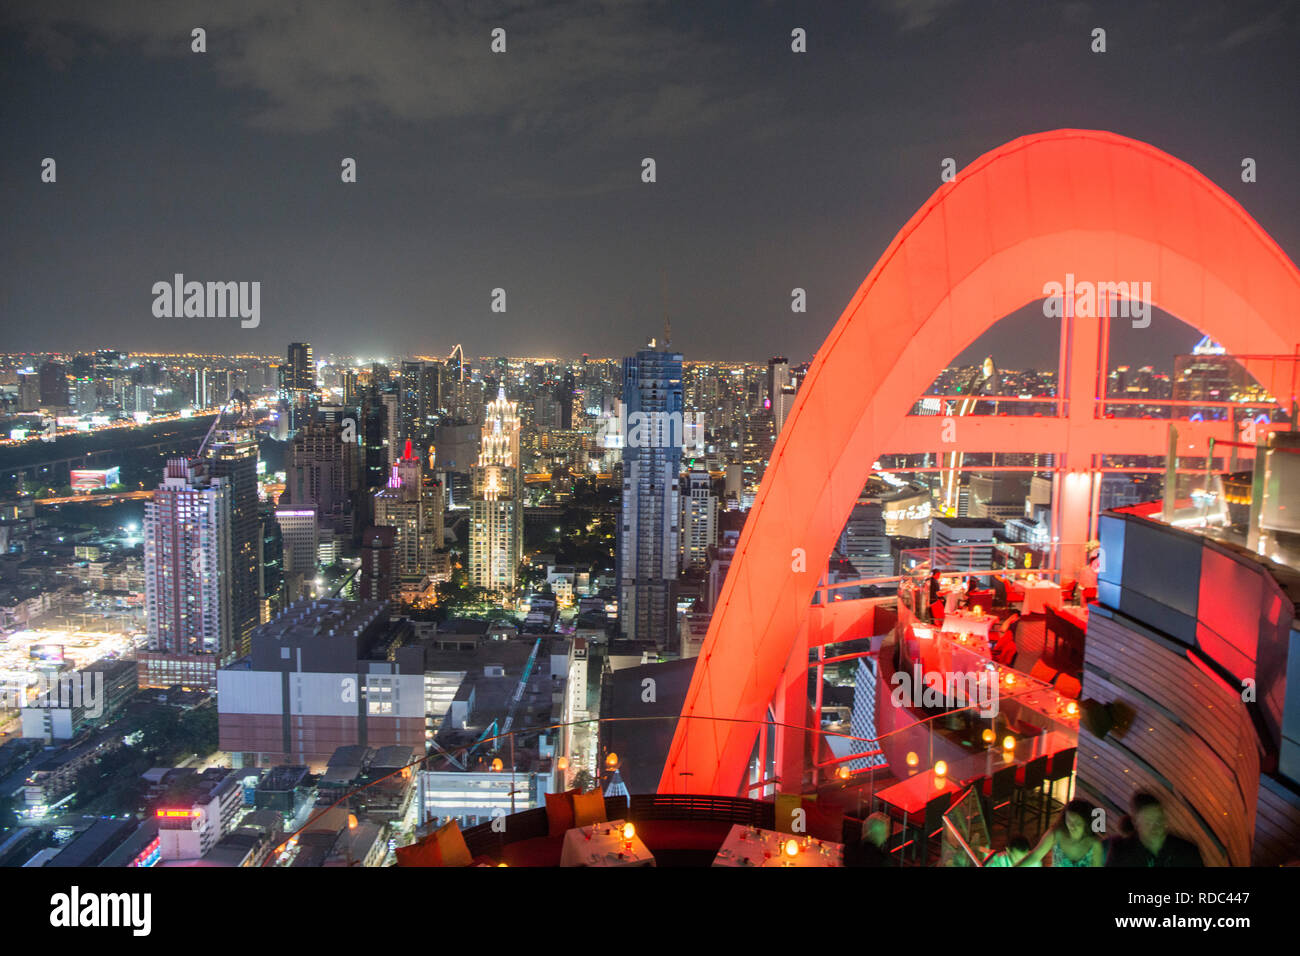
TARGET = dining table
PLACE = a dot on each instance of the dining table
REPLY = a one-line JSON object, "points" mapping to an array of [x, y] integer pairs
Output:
{"points": [[1039, 594], [603, 844], [754, 846], [967, 622], [909, 797]]}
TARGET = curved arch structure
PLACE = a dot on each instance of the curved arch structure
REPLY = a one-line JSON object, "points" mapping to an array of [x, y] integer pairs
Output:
{"points": [[1093, 204]]}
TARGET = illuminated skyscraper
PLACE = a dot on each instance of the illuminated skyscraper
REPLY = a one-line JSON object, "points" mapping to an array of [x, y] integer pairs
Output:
{"points": [[413, 508], [652, 461], [699, 520], [232, 454], [496, 535], [300, 370], [187, 569], [420, 400]]}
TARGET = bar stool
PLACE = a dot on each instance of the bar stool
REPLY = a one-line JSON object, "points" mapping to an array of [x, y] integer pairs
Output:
{"points": [[934, 811], [1060, 767], [1029, 779], [997, 793]]}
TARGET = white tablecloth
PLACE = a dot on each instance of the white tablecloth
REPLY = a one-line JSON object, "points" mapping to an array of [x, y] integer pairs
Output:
{"points": [[749, 846], [965, 622], [606, 847], [1038, 596]]}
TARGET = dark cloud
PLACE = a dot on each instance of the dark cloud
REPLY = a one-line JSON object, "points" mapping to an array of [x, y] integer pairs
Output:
{"points": [[522, 170]]}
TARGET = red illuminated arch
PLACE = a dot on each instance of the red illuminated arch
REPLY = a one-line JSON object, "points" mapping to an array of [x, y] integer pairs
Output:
{"points": [[1094, 204]]}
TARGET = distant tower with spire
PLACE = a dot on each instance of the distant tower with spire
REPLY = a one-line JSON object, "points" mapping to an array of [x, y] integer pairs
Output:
{"points": [[496, 530]]}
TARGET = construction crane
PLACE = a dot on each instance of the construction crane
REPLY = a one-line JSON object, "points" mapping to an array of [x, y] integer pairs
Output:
{"points": [[461, 764], [238, 398], [972, 385], [519, 692]]}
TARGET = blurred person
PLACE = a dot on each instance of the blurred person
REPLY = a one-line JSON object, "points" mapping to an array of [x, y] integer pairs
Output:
{"points": [[1151, 843], [871, 851]]}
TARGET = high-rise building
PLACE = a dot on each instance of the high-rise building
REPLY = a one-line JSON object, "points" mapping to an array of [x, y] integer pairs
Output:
{"points": [[699, 520], [412, 507], [778, 377], [378, 577], [54, 385], [29, 391], [323, 470], [187, 563], [271, 567], [864, 543], [300, 536], [652, 459], [232, 454], [419, 403], [300, 370], [391, 402], [781, 405], [496, 533]]}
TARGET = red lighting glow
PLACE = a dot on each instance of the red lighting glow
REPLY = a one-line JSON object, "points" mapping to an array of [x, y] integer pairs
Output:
{"points": [[1067, 202]]}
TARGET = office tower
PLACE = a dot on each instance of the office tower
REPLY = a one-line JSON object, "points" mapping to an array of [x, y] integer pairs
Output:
{"points": [[496, 533], [1000, 495], [232, 454], [271, 568], [350, 386], [781, 406], [412, 507], [54, 385], [300, 538], [864, 544], [300, 370], [419, 403], [374, 440], [648, 532], [392, 426], [699, 520], [778, 377], [962, 544], [452, 383], [565, 395], [187, 566], [29, 391], [322, 470], [378, 576], [86, 395]]}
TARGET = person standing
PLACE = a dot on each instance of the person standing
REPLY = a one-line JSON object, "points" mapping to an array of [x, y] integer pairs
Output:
{"points": [[1151, 843]]}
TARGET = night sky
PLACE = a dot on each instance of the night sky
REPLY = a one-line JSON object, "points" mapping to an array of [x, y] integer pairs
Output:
{"points": [[522, 170]]}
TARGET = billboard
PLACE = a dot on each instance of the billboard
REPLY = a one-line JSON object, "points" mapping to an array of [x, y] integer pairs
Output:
{"points": [[84, 479]]}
